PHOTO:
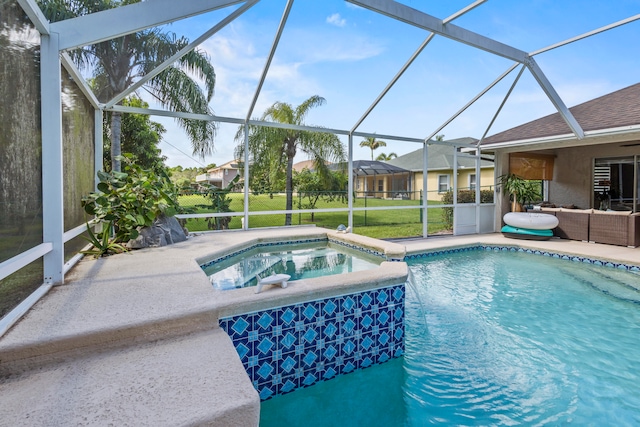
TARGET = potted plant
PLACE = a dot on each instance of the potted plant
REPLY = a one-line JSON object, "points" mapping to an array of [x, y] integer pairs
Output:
{"points": [[519, 189]]}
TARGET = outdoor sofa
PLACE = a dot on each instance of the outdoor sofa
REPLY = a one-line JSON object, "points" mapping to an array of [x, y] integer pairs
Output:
{"points": [[620, 228]]}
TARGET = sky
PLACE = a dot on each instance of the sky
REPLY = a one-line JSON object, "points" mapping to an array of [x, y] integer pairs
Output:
{"points": [[348, 55]]}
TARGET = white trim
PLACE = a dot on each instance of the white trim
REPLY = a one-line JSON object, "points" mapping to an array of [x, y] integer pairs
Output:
{"points": [[52, 158], [422, 20], [35, 15], [272, 51], [588, 137], [75, 232], [71, 68], [220, 25], [111, 23], [475, 184], [21, 309], [587, 34], [23, 259], [448, 183], [555, 99]]}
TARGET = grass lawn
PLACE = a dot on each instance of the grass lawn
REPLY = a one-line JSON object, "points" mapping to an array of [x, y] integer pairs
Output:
{"points": [[380, 224]]}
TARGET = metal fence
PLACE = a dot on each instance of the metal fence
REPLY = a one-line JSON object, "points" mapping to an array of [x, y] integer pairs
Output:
{"points": [[382, 210]]}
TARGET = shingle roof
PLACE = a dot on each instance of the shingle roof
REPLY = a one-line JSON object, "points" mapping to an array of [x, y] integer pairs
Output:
{"points": [[440, 157], [371, 167], [617, 109]]}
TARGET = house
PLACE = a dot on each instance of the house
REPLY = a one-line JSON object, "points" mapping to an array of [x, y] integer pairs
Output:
{"points": [[598, 171], [373, 178], [440, 170], [220, 176], [305, 164]]}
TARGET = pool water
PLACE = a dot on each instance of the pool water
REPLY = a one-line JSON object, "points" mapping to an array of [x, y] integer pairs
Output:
{"points": [[300, 261], [499, 339]]}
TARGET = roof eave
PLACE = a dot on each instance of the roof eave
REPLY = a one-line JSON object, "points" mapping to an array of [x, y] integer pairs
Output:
{"points": [[591, 137]]}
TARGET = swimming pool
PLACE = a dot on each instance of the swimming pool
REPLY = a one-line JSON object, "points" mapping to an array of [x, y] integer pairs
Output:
{"points": [[299, 260], [496, 339]]}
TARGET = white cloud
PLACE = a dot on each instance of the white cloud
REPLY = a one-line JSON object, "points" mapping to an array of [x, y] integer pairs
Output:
{"points": [[336, 20]]}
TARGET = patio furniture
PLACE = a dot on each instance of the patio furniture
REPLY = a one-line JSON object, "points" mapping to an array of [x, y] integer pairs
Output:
{"points": [[573, 224], [621, 228], [615, 228]]}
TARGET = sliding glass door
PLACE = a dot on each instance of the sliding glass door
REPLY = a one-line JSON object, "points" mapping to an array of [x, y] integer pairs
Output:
{"points": [[615, 183]]}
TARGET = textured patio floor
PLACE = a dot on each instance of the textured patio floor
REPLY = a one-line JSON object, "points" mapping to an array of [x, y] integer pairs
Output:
{"points": [[133, 339]]}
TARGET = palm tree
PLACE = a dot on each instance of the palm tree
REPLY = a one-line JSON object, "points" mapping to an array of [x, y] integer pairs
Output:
{"points": [[384, 157], [273, 149], [372, 143], [118, 62]]}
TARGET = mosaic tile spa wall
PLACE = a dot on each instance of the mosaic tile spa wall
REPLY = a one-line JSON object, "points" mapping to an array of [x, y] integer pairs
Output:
{"points": [[286, 348]]}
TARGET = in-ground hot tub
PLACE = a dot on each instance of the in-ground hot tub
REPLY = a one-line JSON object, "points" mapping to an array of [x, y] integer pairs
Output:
{"points": [[300, 260]]}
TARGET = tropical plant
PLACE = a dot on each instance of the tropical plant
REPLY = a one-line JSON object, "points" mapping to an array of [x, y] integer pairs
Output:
{"points": [[103, 244], [117, 63], [220, 202], [372, 143], [384, 157], [140, 136], [131, 199], [311, 188], [519, 189], [272, 149]]}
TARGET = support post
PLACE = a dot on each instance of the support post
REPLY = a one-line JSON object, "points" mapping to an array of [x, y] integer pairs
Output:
{"points": [[425, 172], [455, 189], [245, 225], [350, 188], [52, 159], [99, 146], [478, 189]]}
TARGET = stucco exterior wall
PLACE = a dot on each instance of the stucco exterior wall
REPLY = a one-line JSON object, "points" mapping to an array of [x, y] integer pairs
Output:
{"points": [[486, 180], [572, 182]]}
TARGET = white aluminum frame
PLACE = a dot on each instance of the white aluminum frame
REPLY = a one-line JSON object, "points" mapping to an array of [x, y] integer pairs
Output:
{"points": [[64, 35]]}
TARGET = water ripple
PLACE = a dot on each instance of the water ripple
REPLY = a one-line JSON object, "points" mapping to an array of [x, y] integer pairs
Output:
{"points": [[511, 343]]}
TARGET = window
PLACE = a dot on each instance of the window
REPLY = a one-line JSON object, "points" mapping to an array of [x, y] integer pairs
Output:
{"points": [[380, 185], [472, 181], [443, 183], [226, 172], [613, 184]]}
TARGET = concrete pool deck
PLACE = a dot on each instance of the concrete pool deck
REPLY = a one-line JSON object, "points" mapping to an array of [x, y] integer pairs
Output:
{"points": [[133, 339]]}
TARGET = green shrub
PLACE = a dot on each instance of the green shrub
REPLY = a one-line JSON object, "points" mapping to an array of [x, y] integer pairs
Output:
{"points": [[219, 201], [464, 196], [131, 199]]}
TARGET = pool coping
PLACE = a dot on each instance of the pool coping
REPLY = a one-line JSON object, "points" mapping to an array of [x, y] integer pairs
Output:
{"points": [[122, 315], [112, 308]]}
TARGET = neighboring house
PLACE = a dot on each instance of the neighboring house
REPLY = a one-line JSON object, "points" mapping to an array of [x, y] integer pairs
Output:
{"points": [[373, 178], [220, 176], [305, 164], [604, 166], [440, 170]]}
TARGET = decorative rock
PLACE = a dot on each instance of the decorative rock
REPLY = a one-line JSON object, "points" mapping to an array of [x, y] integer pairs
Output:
{"points": [[164, 231]]}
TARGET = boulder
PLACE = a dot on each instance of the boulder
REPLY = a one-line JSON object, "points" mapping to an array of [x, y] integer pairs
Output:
{"points": [[164, 231]]}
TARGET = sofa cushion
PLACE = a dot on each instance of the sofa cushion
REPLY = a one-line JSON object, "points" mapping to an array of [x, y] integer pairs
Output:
{"points": [[620, 213]]}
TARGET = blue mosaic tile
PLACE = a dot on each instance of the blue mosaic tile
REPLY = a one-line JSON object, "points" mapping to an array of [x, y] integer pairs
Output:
{"points": [[493, 248], [265, 320], [291, 347], [240, 326]]}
